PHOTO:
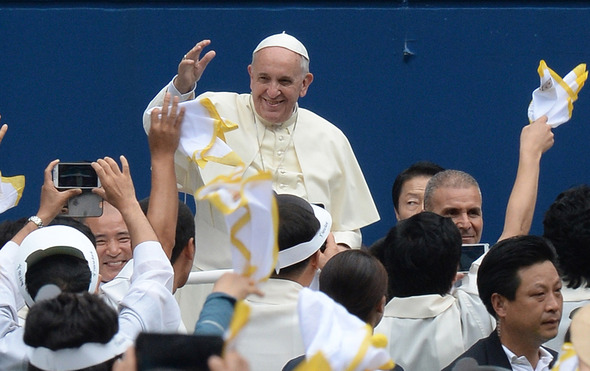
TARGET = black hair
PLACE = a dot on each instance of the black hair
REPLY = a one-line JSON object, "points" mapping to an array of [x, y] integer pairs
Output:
{"points": [[185, 227], [9, 228], [69, 273], [421, 255], [498, 272], [297, 224], [355, 279], [567, 226], [420, 168], [70, 321]]}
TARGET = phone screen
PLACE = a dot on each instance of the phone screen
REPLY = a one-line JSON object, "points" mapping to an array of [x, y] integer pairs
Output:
{"points": [[470, 253], [176, 351], [76, 175]]}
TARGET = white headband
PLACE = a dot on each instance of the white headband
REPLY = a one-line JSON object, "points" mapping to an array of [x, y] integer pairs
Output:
{"points": [[304, 250], [89, 354], [54, 240], [283, 40]]}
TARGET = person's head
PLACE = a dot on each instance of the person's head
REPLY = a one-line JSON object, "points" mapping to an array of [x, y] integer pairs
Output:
{"points": [[9, 228], [183, 251], [425, 247], [73, 332], [407, 192], [358, 281], [113, 242], [455, 194], [520, 286], [567, 226], [279, 76], [303, 230], [58, 255]]}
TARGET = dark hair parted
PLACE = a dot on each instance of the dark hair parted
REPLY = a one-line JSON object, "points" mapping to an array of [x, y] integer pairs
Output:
{"points": [[567, 226], [69, 273], [421, 255], [355, 279], [420, 168], [498, 272]]}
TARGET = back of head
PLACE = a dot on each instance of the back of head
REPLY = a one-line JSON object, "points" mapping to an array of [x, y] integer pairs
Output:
{"points": [[425, 247], [58, 255], [185, 227], [498, 272], [72, 331], [449, 179], [567, 226], [9, 228], [417, 169], [297, 224], [356, 280]]}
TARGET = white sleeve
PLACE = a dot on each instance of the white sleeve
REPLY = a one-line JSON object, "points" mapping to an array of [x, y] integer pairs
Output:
{"points": [[149, 305], [12, 347]]}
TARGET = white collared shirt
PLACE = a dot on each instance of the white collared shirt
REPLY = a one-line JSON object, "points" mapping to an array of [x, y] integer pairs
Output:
{"points": [[522, 363]]}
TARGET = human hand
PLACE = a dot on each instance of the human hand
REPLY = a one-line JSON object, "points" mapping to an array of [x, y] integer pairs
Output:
{"points": [[537, 137], [236, 286], [164, 134], [332, 248], [128, 362], [191, 67], [232, 361], [117, 185], [3, 130], [53, 200]]}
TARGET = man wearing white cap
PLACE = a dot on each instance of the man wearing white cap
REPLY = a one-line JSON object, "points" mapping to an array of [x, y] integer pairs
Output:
{"points": [[148, 305], [306, 155], [272, 335]]}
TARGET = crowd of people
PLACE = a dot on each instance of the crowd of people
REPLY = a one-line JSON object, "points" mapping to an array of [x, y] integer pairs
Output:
{"points": [[83, 293]]}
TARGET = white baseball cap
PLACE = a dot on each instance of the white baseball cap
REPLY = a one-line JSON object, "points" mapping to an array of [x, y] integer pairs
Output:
{"points": [[54, 240]]}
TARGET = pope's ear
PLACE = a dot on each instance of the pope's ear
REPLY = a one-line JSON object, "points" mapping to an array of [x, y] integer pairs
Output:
{"points": [[307, 80]]}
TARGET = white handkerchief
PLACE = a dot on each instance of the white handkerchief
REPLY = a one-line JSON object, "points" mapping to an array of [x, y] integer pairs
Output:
{"points": [[11, 190], [555, 96], [251, 215], [346, 342]]}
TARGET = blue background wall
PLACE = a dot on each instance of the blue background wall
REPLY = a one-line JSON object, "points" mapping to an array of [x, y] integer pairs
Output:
{"points": [[75, 80]]}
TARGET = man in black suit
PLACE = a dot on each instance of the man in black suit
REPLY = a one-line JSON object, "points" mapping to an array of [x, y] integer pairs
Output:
{"points": [[519, 285]]}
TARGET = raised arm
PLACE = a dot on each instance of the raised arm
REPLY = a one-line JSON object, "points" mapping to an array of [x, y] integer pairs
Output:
{"points": [[535, 139], [190, 68], [117, 189], [51, 203], [163, 139]]}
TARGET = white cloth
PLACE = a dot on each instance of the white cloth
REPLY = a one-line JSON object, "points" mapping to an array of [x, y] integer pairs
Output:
{"points": [[272, 336], [11, 190], [572, 299], [147, 306], [555, 96], [342, 338], [428, 332]]}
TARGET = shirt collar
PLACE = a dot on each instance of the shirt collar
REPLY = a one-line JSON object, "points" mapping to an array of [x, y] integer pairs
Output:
{"points": [[522, 363]]}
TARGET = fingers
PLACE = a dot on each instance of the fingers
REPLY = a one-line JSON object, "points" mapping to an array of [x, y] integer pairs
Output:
{"points": [[194, 53], [48, 173], [3, 131]]}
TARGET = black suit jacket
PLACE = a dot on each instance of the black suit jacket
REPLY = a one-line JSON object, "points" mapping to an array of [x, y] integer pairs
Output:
{"points": [[489, 351]]}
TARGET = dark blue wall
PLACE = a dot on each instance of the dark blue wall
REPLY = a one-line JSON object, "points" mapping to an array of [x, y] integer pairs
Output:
{"points": [[75, 81]]}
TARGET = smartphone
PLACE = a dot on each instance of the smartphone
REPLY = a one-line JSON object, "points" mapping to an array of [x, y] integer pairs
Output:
{"points": [[83, 205], [67, 175], [176, 351], [470, 253]]}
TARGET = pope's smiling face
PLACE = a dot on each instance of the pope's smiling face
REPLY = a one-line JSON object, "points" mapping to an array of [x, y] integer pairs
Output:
{"points": [[113, 243], [277, 80]]}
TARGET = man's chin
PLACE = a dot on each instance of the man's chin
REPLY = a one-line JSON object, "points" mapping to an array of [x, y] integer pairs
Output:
{"points": [[469, 240]]}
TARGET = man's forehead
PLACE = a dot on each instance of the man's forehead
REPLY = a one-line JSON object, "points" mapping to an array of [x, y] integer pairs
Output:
{"points": [[447, 195]]}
